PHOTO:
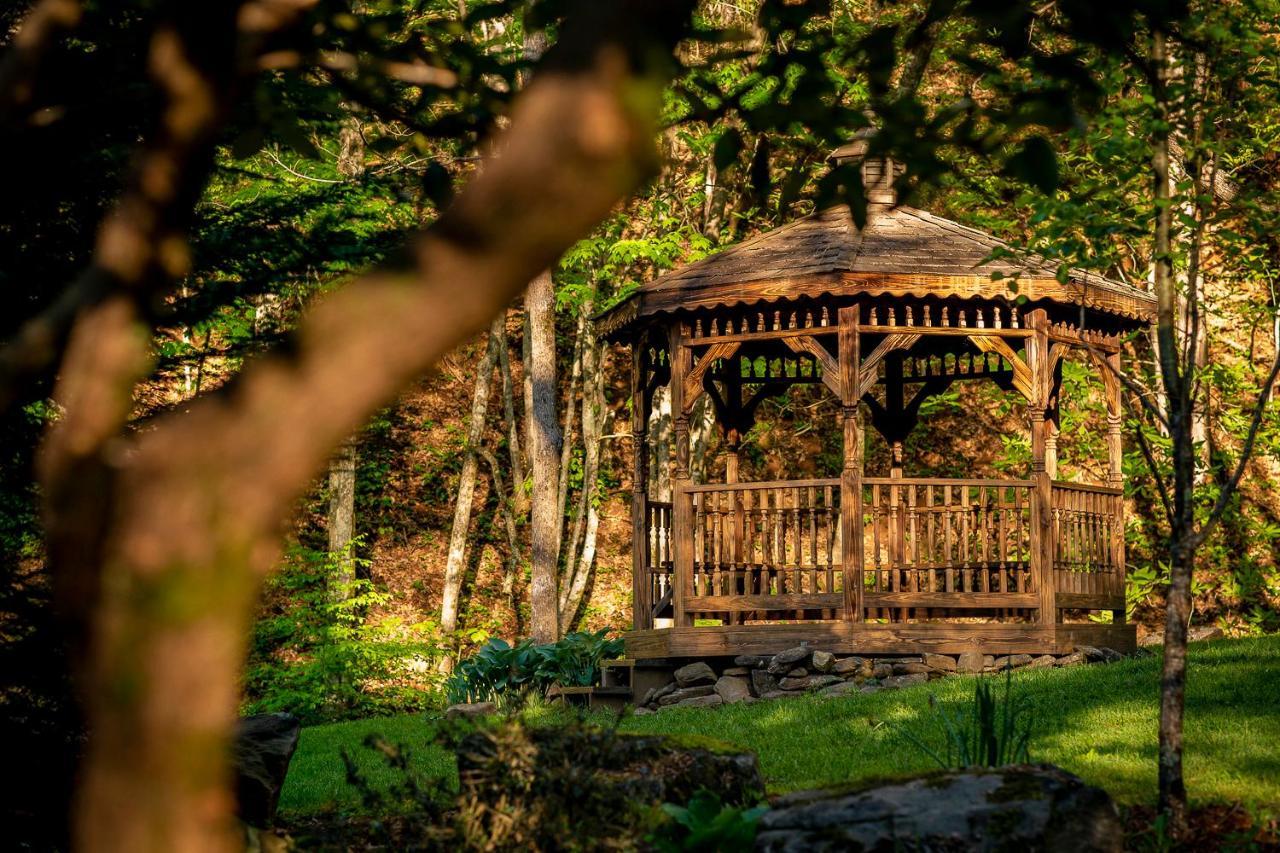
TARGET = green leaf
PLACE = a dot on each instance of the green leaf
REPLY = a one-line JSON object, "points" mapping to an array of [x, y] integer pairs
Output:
{"points": [[1035, 163]]}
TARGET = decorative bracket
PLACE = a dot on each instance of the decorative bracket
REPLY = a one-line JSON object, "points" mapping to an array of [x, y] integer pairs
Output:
{"points": [[1023, 378], [867, 369], [809, 345], [693, 387]]}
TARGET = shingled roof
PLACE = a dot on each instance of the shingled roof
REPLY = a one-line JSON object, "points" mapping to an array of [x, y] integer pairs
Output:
{"points": [[902, 251]]}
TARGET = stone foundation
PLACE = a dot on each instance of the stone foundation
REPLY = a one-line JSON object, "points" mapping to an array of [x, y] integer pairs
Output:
{"points": [[801, 670]]}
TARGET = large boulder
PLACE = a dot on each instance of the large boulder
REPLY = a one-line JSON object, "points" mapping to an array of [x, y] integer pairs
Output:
{"points": [[263, 747], [971, 662], [1027, 807], [524, 788]]}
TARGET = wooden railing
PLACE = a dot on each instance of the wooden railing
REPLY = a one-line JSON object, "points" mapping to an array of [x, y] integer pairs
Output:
{"points": [[943, 543], [930, 548], [1088, 544], [658, 561], [765, 547]]}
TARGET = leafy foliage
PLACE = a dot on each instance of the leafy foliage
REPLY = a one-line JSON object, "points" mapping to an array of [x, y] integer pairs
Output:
{"points": [[502, 672], [320, 656], [707, 824]]}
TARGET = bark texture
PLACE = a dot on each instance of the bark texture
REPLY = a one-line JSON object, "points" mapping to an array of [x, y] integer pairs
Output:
{"points": [[542, 433], [455, 563], [158, 541]]}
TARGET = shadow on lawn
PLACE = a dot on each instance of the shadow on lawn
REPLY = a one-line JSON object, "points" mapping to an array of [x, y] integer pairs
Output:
{"points": [[1099, 722]]}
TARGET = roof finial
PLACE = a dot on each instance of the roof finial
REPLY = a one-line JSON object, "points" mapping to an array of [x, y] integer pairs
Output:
{"points": [[878, 170]]}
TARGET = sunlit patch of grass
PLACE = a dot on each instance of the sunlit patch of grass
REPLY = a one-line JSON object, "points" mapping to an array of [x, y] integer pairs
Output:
{"points": [[1099, 722]]}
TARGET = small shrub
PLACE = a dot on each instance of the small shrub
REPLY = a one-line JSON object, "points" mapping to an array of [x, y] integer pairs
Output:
{"points": [[707, 824], [986, 734], [500, 672], [322, 656]]}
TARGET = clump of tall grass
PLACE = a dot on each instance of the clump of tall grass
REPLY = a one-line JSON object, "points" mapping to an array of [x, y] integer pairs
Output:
{"points": [[987, 732]]}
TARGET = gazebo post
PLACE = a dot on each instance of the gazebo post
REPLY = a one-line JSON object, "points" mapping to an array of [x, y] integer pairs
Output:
{"points": [[851, 475], [1041, 504], [1115, 466], [642, 606], [681, 508]]}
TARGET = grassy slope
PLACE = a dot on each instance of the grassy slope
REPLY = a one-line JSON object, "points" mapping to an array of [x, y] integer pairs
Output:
{"points": [[1097, 721]]}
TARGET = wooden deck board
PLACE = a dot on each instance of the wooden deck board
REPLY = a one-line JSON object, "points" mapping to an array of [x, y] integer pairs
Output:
{"points": [[862, 638]]}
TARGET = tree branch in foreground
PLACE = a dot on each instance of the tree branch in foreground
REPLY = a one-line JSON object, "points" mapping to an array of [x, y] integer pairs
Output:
{"points": [[187, 517]]}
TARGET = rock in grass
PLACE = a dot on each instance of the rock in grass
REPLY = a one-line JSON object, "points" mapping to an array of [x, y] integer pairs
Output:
{"points": [[263, 747], [711, 700], [1042, 662], [667, 689], [519, 782], [1092, 654], [971, 662], [1038, 808], [905, 680], [642, 711], [470, 710], [695, 674], [732, 689], [686, 693], [881, 670], [823, 661], [785, 661], [942, 663], [842, 688], [1073, 659]]}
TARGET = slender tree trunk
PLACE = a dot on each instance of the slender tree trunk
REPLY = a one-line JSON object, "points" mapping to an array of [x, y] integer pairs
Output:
{"points": [[570, 412], [714, 200], [1173, 793], [660, 431], [507, 515], [519, 497], [342, 518], [455, 564], [579, 565], [542, 430]]}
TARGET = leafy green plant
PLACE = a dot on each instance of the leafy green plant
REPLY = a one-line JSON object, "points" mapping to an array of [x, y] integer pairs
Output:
{"points": [[502, 672], [322, 655], [989, 733], [707, 824]]}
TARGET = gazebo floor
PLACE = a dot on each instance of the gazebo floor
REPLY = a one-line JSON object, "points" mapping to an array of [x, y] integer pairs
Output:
{"points": [[877, 639]]}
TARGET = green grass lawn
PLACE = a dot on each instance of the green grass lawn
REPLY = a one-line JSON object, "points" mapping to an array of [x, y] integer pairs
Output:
{"points": [[1097, 721]]}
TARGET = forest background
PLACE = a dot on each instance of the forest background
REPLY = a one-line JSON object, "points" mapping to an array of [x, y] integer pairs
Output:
{"points": [[386, 581]]}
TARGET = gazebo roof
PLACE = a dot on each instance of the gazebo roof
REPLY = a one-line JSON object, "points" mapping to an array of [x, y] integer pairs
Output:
{"points": [[902, 251]]}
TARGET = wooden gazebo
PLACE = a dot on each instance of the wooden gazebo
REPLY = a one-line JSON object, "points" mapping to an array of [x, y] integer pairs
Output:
{"points": [[883, 317]]}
